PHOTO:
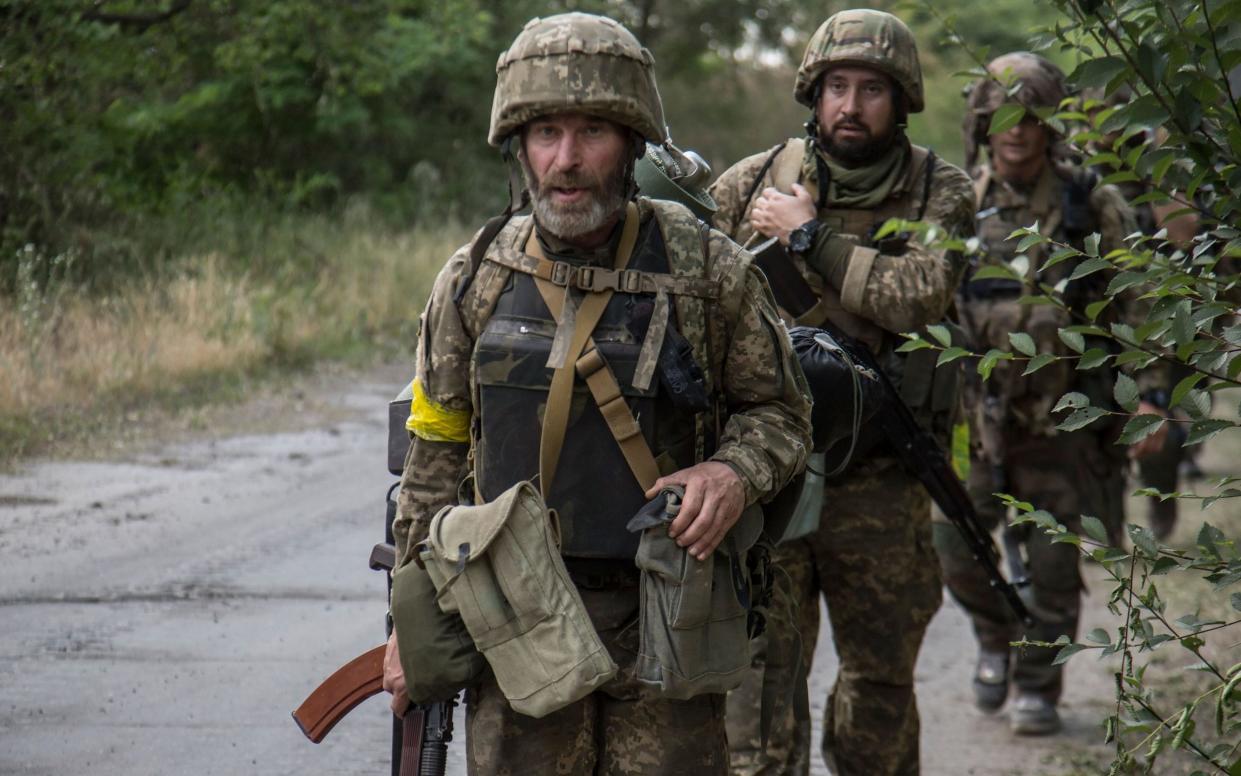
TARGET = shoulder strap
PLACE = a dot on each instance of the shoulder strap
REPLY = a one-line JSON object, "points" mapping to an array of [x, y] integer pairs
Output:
{"points": [[479, 249], [928, 174], [981, 184], [787, 167], [594, 370]]}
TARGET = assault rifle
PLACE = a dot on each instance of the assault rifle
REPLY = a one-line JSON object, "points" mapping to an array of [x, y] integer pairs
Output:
{"points": [[922, 456], [419, 740]]}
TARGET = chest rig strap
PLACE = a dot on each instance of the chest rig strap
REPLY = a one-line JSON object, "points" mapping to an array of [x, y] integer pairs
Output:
{"points": [[599, 279], [582, 357]]}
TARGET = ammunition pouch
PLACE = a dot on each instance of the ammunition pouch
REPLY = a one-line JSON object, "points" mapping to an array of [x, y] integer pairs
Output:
{"points": [[694, 636], [498, 565]]}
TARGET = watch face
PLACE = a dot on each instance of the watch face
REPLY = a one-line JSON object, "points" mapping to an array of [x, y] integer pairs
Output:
{"points": [[799, 239]]}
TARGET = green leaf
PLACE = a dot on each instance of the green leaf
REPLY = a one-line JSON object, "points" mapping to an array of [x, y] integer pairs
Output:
{"points": [[1022, 342], [1202, 430], [995, 271], [1099, 636], [1094, 308], [1037, 363], [1071, 401], [910, 345], [1092, 245], [1183, 329], [941, 333], [1029, 241], [1081, 418], [1093, 358], [1140, 427], [949, 355], [1073, 339], [1125, 391], [1088, 267], [987, 363], [1123, 176], [1066, 652], [1005, 118], [1097, 72], [1182, 388], [1095, 529]]}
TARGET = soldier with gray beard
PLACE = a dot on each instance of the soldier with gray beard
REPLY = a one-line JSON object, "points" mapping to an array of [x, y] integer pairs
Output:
{"points": [[576, 103]]}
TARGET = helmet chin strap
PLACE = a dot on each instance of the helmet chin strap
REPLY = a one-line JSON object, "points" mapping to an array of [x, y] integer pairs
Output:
{"points": [[518, 194]]}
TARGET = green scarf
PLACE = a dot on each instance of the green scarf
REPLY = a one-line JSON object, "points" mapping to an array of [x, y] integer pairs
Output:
{"points": [[860, 187]]}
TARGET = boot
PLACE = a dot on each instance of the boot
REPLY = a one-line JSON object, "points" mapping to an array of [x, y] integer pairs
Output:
{"points": [[991, 680], [1033, 714]]}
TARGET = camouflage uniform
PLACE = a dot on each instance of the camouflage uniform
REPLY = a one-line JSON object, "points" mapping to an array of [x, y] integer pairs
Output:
{"points": [[759, 425], [872, 558], [1015, 446]]}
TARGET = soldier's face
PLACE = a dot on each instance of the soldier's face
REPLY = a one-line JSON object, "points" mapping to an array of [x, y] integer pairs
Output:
{"points": [[575, 167], [857, 113], [1024, 145]]}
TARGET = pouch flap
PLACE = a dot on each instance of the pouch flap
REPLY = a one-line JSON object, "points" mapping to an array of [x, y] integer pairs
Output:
{"points": [[744, 535], [472, 528]]}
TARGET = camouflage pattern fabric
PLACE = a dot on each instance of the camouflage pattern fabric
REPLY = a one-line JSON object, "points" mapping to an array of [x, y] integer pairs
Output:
{"points": [[1048, 472], [863, 37], [898, 292], [873, 563], [1015, 447], [579, 62], [880, 609], [764, 436], [623, 729]]}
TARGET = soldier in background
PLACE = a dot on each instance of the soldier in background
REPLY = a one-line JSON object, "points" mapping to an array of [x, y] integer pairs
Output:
{"points": [[1015, 447], [575, 103], [823, 196]]}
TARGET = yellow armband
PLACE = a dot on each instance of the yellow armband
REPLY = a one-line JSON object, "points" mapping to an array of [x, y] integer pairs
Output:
{"points": [[434, 422]]}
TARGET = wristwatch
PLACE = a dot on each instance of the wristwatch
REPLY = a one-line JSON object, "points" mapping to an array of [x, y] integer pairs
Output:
{"points": [[801, 238]]}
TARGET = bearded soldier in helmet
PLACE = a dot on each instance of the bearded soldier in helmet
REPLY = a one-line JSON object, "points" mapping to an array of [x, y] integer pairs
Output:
{"points": [[576, 103], [1015, 447], [823, 197]]}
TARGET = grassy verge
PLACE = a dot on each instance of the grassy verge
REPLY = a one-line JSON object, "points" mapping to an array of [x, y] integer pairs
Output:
{"points": [[211, 324]]}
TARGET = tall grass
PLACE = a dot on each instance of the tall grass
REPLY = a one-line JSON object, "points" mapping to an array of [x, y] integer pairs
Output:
{"points": [[314, 287]]}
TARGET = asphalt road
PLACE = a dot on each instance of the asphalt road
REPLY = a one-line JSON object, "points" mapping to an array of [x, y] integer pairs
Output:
{"points": [[163, 613]]}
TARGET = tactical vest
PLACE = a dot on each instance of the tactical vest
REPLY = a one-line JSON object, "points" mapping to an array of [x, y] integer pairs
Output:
{"points": [[990, 308], [858, 224], [930, 392], [593, 491]]}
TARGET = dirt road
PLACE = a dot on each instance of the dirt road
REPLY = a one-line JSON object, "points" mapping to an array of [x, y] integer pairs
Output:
{"points": [[162, 613]]}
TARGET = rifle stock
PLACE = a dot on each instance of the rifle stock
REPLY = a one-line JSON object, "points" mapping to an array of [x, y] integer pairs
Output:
{"points": [[337, 695]]}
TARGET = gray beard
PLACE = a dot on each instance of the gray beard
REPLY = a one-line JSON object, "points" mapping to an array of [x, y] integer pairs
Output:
{"points": [[574, 220]]}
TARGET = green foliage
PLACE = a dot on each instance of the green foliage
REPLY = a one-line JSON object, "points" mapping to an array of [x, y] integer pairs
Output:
{"points": [[1164, 119]]}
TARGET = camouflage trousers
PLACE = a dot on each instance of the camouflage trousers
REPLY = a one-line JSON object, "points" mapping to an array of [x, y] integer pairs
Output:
{"points": [[872, 562], [622, 729], [1067, 475]]}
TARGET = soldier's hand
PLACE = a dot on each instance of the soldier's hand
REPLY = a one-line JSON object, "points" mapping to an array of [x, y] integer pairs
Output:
{"points": [[1153, 443], [394, 678], [776, 214], [714, 499]]}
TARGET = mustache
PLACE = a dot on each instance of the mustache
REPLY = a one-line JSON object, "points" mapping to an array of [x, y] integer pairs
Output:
{"points": [[570, 180], [849, 124]]}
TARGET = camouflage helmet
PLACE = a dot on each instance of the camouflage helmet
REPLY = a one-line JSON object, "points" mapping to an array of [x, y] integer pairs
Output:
{"points": [[1040, 84], [576, 62], [862, 37], [667, 172]]}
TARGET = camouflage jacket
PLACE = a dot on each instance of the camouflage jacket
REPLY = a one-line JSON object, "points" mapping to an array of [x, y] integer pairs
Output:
{"points": [[990, 313], [898, 293], [762, 400]]}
